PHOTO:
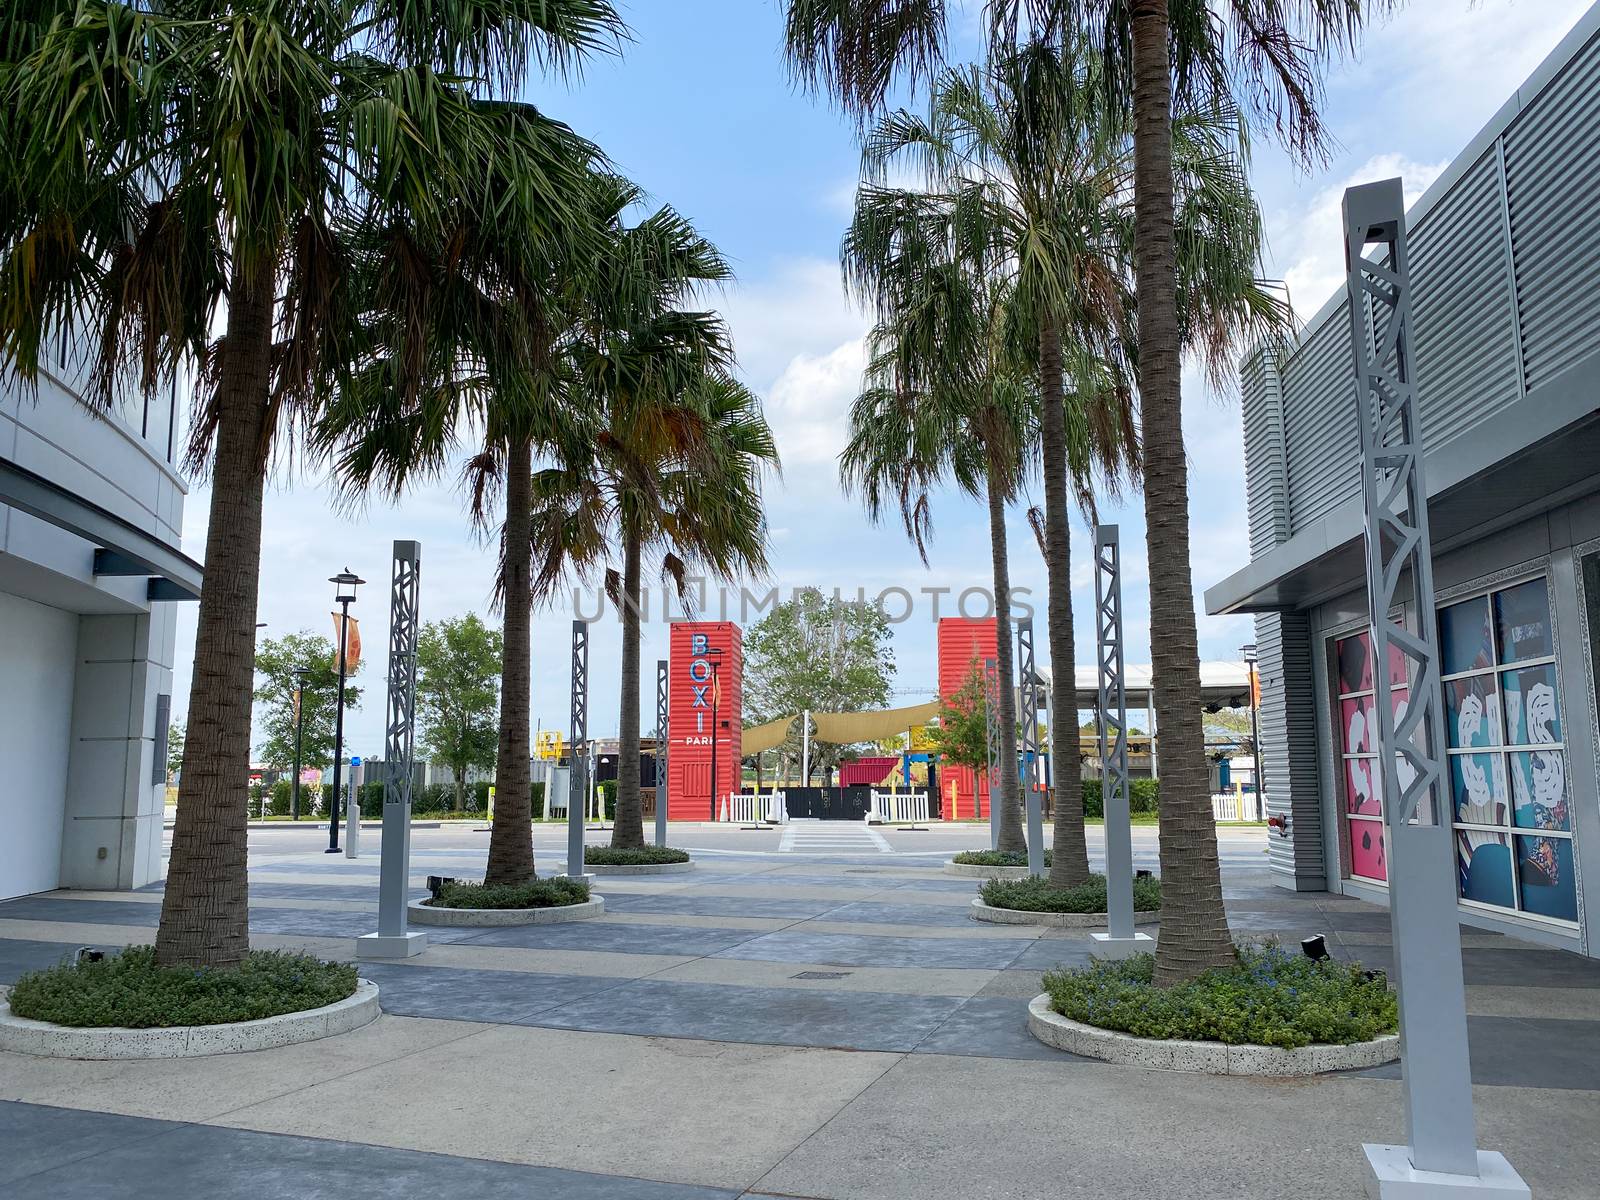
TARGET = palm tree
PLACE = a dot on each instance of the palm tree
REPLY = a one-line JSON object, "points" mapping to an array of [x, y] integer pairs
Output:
{"points": [[1269, 51], [678, 446], [167, 162], [945, 397]]}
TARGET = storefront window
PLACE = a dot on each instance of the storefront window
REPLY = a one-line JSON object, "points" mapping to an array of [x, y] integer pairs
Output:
{"points": [[1503, 730], [1358, 764]]}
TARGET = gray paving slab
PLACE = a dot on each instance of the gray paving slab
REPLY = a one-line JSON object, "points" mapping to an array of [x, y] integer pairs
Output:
{"points": [[1511, 965], [1048, 953], [1529, 1052], [456, 994], [38, 1138], [690, 904], [795, 945], [883, 913], [238, 1164], [990, 1027], [599, 935], [847, 1020], [18, 957]]}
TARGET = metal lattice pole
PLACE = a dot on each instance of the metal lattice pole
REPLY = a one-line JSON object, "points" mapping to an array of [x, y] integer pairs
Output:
{"points": [[1411, 751], [1030, 746], [392, 939], [662, 718], [578, 755], [1112, 734], [991, 701]]}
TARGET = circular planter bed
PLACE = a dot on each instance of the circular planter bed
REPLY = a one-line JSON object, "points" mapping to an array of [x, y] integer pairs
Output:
{"points": [[421, 912], [542, 902], [671, 868], [1058, 920], [125, 1006], [1211, 1058], [1269, 1012], [636, 860], [979, 871]]}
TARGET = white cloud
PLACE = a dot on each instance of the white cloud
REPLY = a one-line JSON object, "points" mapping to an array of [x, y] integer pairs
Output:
{"points": [[808, 405], [1307, 240]]}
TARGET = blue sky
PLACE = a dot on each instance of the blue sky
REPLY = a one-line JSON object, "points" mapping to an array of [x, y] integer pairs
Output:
{"points": [[700, 111]]}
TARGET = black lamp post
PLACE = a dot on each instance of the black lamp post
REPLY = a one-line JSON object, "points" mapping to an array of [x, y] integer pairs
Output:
{"points": [[345, 584], [1249, 653], [300, 674]]}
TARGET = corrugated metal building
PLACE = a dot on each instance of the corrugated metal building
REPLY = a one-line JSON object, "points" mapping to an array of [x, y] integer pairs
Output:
{"points": [[1506, 286]]}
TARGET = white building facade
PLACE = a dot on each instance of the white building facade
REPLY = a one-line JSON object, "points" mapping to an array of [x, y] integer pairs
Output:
{"points": [[91, 571], [1505, 253]]}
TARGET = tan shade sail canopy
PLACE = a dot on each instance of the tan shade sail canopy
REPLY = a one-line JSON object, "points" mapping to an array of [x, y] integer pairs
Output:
{"points": [[763, 737], [843, 728]]}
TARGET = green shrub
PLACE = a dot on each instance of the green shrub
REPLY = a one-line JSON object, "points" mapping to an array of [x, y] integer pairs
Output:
{"points": [[371, 796], [618, 856], [538, 801], [542, 893], [1272, 997], [129, 990], [478, 795], [996, 858], [1144, 796], [279, 797], [1035, 894]]}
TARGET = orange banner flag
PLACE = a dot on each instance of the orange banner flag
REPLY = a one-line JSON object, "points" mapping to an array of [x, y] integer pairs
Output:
{"points": [[352, 645]]}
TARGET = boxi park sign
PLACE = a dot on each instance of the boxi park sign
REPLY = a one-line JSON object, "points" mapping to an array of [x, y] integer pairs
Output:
{"points": [[705, 692]]}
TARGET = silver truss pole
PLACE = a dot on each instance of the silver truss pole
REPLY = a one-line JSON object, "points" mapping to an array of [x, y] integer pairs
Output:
{"points": [[1030, 747], [1120, 938], [393, 940], [578, 753], [1441, 1154]]}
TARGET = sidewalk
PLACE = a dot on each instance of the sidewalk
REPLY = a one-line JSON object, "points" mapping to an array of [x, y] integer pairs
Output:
{"points": [[798, 1025]]}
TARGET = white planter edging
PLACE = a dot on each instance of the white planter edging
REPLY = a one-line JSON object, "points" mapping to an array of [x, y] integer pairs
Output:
{"points": [[1210, 1058], [974, 871], [425, 914], [188, 1041], [1060, 920], [639, 868]]}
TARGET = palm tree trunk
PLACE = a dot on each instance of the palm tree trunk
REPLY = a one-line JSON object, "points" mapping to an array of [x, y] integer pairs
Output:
{"points": [[1194, 925], [205, 912], [1069, 851], [511, 835], [628, 829], [1011, 833]]}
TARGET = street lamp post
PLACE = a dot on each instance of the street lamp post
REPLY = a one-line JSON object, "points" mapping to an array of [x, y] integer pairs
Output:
{"points": [[716, 697], [345, 584], [1249, 653], [300, 674]]}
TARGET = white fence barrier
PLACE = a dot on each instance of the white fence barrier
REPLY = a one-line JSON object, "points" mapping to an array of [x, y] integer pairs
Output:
{"points": [[1233, 806], [898, 808], [760, 808]]}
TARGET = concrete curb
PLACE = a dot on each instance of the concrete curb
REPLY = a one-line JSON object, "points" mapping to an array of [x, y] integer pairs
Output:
{"points": [[484, 918], [49, 1040], [1058, 920], [639, 868], [1209, 1058], [974, 871]]}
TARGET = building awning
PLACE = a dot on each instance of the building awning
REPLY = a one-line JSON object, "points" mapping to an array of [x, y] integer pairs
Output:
{"points": [[1532, 457], [121, 547]]}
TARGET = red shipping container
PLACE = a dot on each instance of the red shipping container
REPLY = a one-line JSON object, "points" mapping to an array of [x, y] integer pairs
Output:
{"points": [[965, 643], [705, 690]]}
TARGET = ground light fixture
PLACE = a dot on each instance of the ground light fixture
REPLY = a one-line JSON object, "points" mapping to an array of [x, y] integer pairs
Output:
{"points": [[345, 584], [1315, 948]]}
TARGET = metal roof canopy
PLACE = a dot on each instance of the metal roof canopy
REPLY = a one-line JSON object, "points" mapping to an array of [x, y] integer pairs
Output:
{"points": [[122, 548], [1223, 682]]}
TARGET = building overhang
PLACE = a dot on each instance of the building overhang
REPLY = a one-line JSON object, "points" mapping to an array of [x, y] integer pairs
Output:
{"points": [[122, 548], [1532, 457]]}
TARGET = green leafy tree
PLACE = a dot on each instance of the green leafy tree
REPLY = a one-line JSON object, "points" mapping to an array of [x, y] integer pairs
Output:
{"points": [[174, 750], [276, 662], [671, 474], [458, 695], [963, 732], [825, 654], [175, 167]]}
